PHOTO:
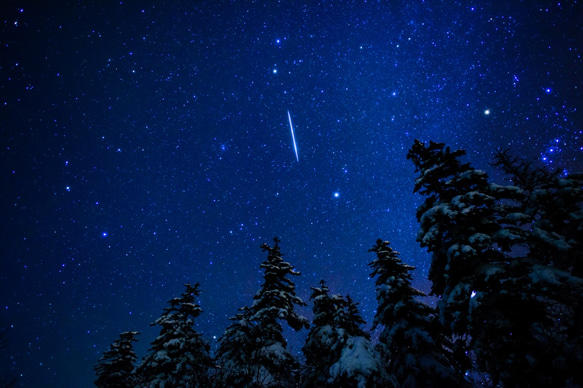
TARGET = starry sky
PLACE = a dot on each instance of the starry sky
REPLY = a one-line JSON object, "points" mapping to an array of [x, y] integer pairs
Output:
{"points": [[145, 145]]}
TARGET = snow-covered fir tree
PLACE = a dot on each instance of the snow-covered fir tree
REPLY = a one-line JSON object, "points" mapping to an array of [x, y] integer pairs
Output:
{"points": [[268, 362], [237, 353], [338, 351], [115, 367], [557, 244], [534, 308], [558, 223], [505, 264], [179, 356], [359, 364], [456, 226], [417, 353], [323, 345]]}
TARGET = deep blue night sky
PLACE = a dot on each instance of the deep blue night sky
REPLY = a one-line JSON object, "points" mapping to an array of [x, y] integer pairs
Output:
{"points": [[145, 146]]}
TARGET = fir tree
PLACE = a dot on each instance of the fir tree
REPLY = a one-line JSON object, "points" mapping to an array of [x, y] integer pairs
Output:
{"points": [[457, 223], [557, 210], [540, 302], [351, 320], [505, 264], [417, 352], [115, 367], [238, 352], [338, 351], [179, 356], [359, 364], [263, 359], [323, 345]]}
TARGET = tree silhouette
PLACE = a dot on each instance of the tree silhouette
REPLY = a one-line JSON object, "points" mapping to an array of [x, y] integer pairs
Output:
{"points": [[418, 354], [115, 367], [179, 356]]}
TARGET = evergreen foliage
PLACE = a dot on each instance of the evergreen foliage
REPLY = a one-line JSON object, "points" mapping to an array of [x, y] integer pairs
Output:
{"points": [[505, 262], [338, 351], [506, 267], [413, 345], [237, 353], [457, 223], [115, 367], [323, 344], [262, 359], [179, 356]]}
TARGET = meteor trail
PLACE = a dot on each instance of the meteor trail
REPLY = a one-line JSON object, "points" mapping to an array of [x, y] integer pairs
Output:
{"points": [[293, 137]]}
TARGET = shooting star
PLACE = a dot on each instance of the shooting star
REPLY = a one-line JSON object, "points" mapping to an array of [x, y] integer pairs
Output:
{"points": [[293, 137]]}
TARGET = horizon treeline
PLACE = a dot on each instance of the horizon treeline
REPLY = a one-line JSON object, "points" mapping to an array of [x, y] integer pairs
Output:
{"points": [[506, 269]]}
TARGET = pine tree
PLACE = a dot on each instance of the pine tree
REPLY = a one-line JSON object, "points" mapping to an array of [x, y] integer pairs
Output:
{"points": [[179, 356], [338, 351], [237, 353], [542, 300], [323, 345], [471, 228], [417, 352], [263, 359], [505, 262], [457, 223], [558, 227], [359, 364], [557, 244], [351, 320], [115, 367]]}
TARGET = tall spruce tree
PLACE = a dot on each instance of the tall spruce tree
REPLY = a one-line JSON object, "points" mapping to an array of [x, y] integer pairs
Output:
{"points": [[179, 356], [470, 226], [238, 352], [457, 223], [412, 343], [359, 364], [116, 366], [323, 345], [503, 263], [264, 360], [338, 351], [542, 297]]}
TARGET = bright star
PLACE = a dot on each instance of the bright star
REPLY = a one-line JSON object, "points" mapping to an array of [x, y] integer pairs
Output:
{"points": [[487, 112], [336, 194]]}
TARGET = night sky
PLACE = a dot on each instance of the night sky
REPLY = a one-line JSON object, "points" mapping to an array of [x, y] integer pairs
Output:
{"points": [[146, 146]]}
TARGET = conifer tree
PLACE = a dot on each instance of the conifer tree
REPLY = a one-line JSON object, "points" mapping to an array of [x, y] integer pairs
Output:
{"points": [[115, 367], [237, 354], [457, 223], [411, 341], [338, 351], [264, 360], [323, 345], [359, 364], [557, 208], [179, 356], [542, 303], [505, 264], [351, 320]]}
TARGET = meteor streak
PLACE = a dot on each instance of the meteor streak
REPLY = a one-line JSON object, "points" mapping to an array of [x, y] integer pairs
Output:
{"points": [[293, 137]]}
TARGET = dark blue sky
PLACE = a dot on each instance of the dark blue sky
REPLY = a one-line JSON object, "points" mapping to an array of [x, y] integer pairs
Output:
{"points": [[146, 146]]}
